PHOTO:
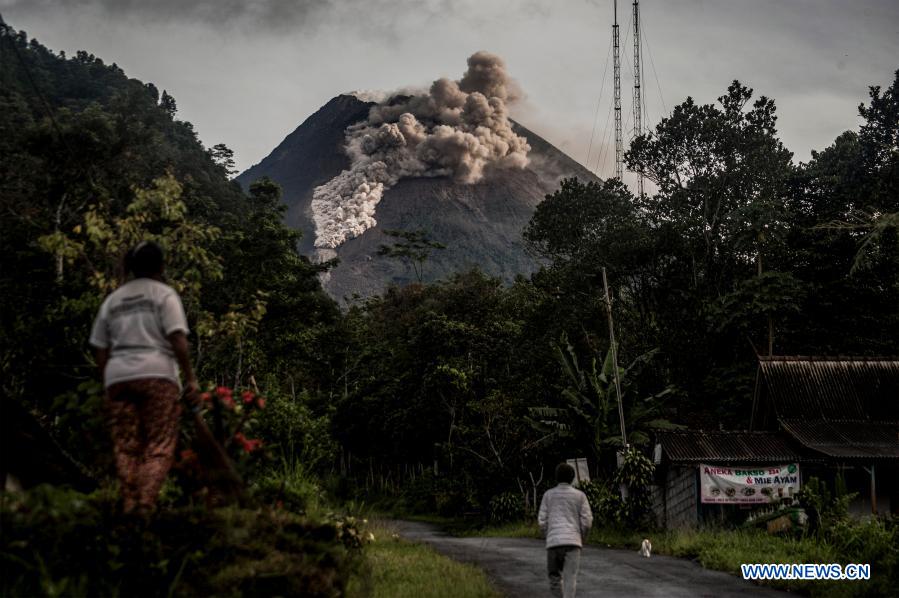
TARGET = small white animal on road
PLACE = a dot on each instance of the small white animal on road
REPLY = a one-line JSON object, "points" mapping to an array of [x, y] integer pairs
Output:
{"points": [[646, 547]]}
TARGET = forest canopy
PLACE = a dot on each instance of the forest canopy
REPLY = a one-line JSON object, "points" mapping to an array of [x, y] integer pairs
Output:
{"points": [[739, 251]]}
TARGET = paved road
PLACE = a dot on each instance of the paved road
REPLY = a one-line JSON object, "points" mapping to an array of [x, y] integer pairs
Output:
{"points": [[517, 567]]}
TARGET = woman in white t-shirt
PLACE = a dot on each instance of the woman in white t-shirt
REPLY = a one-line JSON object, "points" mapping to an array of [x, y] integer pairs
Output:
{"points": [[140, 337]]}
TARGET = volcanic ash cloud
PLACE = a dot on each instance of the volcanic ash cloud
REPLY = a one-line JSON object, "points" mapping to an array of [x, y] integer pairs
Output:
{"points": [[458, 128]]}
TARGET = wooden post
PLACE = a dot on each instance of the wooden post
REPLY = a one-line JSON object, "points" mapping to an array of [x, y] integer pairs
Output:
{"points": [[873, 488], [873, 492]]}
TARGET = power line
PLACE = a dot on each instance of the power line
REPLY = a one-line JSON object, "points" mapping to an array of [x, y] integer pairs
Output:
{"points": [[602, 87], [652, 64], [603, 153]]}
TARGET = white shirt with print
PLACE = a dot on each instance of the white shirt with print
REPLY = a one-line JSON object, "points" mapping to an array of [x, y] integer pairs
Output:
{"points": [[134, 323]]}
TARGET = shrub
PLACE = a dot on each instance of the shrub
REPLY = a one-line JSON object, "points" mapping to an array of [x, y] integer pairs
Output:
{"points": [[447, 496], [289, 426], [507, 507], [823, 509], [290, 486], [636, 474], [60, 542], [605, 502], [454, 498]]}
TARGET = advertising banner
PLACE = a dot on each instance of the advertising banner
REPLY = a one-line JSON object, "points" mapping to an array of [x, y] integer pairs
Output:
{"points": [[749, 484]]}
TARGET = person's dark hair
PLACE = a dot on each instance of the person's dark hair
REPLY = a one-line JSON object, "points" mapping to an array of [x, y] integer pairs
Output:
{"points": [[564, 473], [145, 260]]}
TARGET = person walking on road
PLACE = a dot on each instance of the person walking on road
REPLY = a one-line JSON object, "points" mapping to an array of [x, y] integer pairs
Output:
{"points": [[140, 338], [565, 519]]}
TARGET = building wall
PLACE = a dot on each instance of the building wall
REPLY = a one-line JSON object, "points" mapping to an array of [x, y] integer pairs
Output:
{"points": [[675, 500]]}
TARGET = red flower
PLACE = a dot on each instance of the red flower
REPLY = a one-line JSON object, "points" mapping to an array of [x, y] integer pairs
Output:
{"points": [[227, 401], [206, 396], [247, 444], [248, 396], [223, 391], [260, 402]]}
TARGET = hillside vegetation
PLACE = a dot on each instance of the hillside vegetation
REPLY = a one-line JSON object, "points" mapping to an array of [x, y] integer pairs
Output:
{"points": [[454, 397]]}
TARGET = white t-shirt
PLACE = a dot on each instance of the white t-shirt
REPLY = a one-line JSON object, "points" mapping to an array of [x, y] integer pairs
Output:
{"points": [[134, 323]]}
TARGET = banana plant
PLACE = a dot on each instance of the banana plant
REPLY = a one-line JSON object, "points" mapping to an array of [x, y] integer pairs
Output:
{"points": [[588, 413]]}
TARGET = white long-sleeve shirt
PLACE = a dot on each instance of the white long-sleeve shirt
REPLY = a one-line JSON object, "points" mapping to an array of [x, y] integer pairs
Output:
{"points": [[565, 517]]}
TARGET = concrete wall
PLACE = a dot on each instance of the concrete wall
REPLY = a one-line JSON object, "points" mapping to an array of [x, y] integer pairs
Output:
{"points": [[675, 501]]}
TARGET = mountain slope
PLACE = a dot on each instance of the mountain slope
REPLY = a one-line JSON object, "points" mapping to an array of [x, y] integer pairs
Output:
{"points": [[480, 224]]}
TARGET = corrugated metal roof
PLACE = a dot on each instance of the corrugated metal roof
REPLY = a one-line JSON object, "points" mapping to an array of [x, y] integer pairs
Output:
{"points": [[847, 439], [840, 407], [832, 388], [697, 446]]}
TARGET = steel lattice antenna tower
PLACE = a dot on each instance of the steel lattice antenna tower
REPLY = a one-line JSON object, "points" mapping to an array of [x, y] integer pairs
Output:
{"points": [[616, 61], [638, 100]]}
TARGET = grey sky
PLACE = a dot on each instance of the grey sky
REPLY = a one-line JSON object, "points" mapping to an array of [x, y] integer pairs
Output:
{"points": [[246, 73]]}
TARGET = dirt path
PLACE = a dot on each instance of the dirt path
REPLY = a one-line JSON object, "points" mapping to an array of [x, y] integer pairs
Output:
{"points": [[518, 567]]}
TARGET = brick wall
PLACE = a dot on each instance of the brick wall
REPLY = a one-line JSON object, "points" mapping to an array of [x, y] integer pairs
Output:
{"points": [[675, 503]]}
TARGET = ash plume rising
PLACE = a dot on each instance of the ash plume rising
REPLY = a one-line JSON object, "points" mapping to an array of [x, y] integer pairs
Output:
{"points": [[459, 129]]}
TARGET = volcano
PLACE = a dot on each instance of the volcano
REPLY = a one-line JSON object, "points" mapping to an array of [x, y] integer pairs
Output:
{"points": [[479, 223]]}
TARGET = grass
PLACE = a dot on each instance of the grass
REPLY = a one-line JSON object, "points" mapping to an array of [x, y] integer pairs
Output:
{"points": [[396, 568], [725, 550], [716, 549], [519, 529]]}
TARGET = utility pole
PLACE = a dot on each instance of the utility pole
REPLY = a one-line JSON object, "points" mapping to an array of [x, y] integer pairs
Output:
{"points": [[613, 347], [616, 61], [638, 100]]}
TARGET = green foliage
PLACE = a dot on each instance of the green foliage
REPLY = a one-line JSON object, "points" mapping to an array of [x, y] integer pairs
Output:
{"points": [[292, 428], [736, 249], [59, 542], [439, 373], [605, 502], [290, 485], [444, 495], [636, 474], [79, 424], [92, 163], [825, 510], [156, 214], [725, 550], [873, 541], [507, 507], [413, 247], [730, 254], [589, 411], [395, 567]]}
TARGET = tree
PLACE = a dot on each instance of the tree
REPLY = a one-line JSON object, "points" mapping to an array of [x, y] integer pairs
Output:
{"points": [[158, 214], [413, 248], [223, 156], [589, 411], [879, 139], [93, 161], [721, 173], [168, 104], [843, 242]]}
